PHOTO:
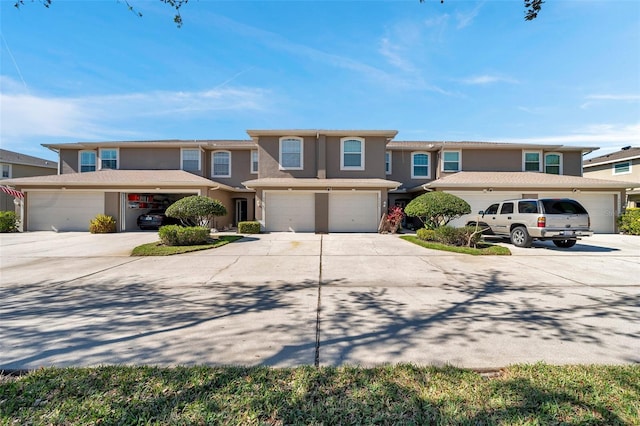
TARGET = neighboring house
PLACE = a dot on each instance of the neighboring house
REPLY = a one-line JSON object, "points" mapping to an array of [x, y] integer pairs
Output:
{"points": [[621, 165], [304, 180], [16, 165]]}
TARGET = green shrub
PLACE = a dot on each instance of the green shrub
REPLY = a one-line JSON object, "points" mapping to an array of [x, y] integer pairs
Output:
{"points": [[248, 227], [426, 234], [174, 235], [8, 222], [196, 210], [629, 221], [437, 208], [102, 224], [458, 237]]}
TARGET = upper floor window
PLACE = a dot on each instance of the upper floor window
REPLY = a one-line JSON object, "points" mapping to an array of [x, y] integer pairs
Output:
{"points": [[531, 161], [387, 162], [221, 164], [109, 159], [352, 154], [87, 161], [291, 152], [190, 159], [451, 161], [6, 171], [553, 163], [254, 161], [622, 168], [420, 165]]}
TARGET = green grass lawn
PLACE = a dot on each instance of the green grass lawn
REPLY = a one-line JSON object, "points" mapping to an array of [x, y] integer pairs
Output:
{"points": [[537, 394], [159, 249], [482, 249]]}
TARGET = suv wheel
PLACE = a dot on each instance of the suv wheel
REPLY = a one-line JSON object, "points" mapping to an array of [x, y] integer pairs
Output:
{"points": [[564, 243], [520, 237]]}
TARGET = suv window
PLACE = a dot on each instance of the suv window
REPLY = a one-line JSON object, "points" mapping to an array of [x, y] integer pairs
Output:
{"points": [[563, 206], [507, 208], [492, 209], [530, 206]]}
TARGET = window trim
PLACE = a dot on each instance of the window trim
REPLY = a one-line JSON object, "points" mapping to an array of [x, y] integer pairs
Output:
{"points": [[95, 160], [213, 164], [182, 151], [413, 155], [613, 168], [99, 158], [362, 143], [524, 161], [560, 161], [390, 155], [285, 138], [10, 170], [257, 162], [459, 168]]}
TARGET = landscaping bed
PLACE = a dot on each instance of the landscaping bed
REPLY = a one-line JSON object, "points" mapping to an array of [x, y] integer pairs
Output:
{"points": [[159, 249], [480, 249]]}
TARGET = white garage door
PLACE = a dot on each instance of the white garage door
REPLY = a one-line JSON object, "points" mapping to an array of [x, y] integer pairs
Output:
{"points": [[290, 211], [63, 211], [601, 208], [354, 211]]}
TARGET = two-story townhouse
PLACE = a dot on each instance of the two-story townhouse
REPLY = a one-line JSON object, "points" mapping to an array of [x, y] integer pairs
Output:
{"points": [[305, 180], [623, 165], [321, 180], [17, 165]]}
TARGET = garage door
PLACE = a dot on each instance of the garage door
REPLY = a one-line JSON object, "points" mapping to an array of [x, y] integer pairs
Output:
{"points": [[601, 208], [353, 211], [63, 211], [289, 211]]}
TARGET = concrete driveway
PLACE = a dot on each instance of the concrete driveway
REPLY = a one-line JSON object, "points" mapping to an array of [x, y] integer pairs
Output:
{"points": [[288, 299]]}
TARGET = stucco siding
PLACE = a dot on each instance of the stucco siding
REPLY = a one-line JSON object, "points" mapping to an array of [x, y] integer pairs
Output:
{"points": [[374, 151], [475, 160], [149, 159], [269, 158]]}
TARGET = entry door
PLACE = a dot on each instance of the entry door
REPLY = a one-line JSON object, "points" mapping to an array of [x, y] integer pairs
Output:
{"points": [[241, 210]]}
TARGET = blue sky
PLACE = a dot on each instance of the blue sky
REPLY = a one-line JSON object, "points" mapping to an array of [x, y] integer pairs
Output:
{"points": [[458, 71]]}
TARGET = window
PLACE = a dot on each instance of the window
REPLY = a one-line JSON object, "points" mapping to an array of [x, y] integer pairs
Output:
{"points": [[351, 154], [109, 159], [87, 161], [563, 206], [507, 208], [451, 161], [531, 161], [190, 159], [291, 151], [221, 164], [420, 165], [6, 171], [553, 164], [387, 162], [622, 168], [254, 161], [529, 206], [492, 209]]}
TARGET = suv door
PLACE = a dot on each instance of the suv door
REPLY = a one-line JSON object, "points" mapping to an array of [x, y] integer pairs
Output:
{"points": [[489, 216], [503, 218]]}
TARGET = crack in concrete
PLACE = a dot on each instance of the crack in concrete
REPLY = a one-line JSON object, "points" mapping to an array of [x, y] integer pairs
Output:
{"points": [[316, 361]]}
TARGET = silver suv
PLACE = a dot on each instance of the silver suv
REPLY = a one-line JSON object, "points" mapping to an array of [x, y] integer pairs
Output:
{"points": [[561, 220]]}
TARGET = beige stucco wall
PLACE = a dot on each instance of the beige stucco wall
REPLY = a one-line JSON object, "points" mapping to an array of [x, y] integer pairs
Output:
{"points": [[268, 157], [605, 171], [240, 168], [374, 149], [149, 159], [401, 168], [476, 160]]}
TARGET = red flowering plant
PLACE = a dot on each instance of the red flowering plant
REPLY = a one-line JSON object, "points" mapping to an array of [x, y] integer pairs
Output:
{"points": [[392, 219]]}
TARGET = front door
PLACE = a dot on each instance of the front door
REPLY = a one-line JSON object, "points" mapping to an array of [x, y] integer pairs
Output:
{"points": [[241, 210]]}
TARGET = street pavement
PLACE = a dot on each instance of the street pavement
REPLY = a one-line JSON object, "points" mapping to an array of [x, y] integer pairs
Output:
{"points": [[286, 299]]}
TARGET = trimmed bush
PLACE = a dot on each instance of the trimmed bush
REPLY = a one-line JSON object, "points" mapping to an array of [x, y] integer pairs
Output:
{"points": [[196, 210], [174, 235], [437, 208], [629, 221], [102, 224], [426, 234], [8, 222], [248, 227]]}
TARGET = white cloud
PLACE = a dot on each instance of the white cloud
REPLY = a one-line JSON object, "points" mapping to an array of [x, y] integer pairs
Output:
{"points": [[611, 97], [605, 136], [488, 79], [26, 116], [465, 19]]}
